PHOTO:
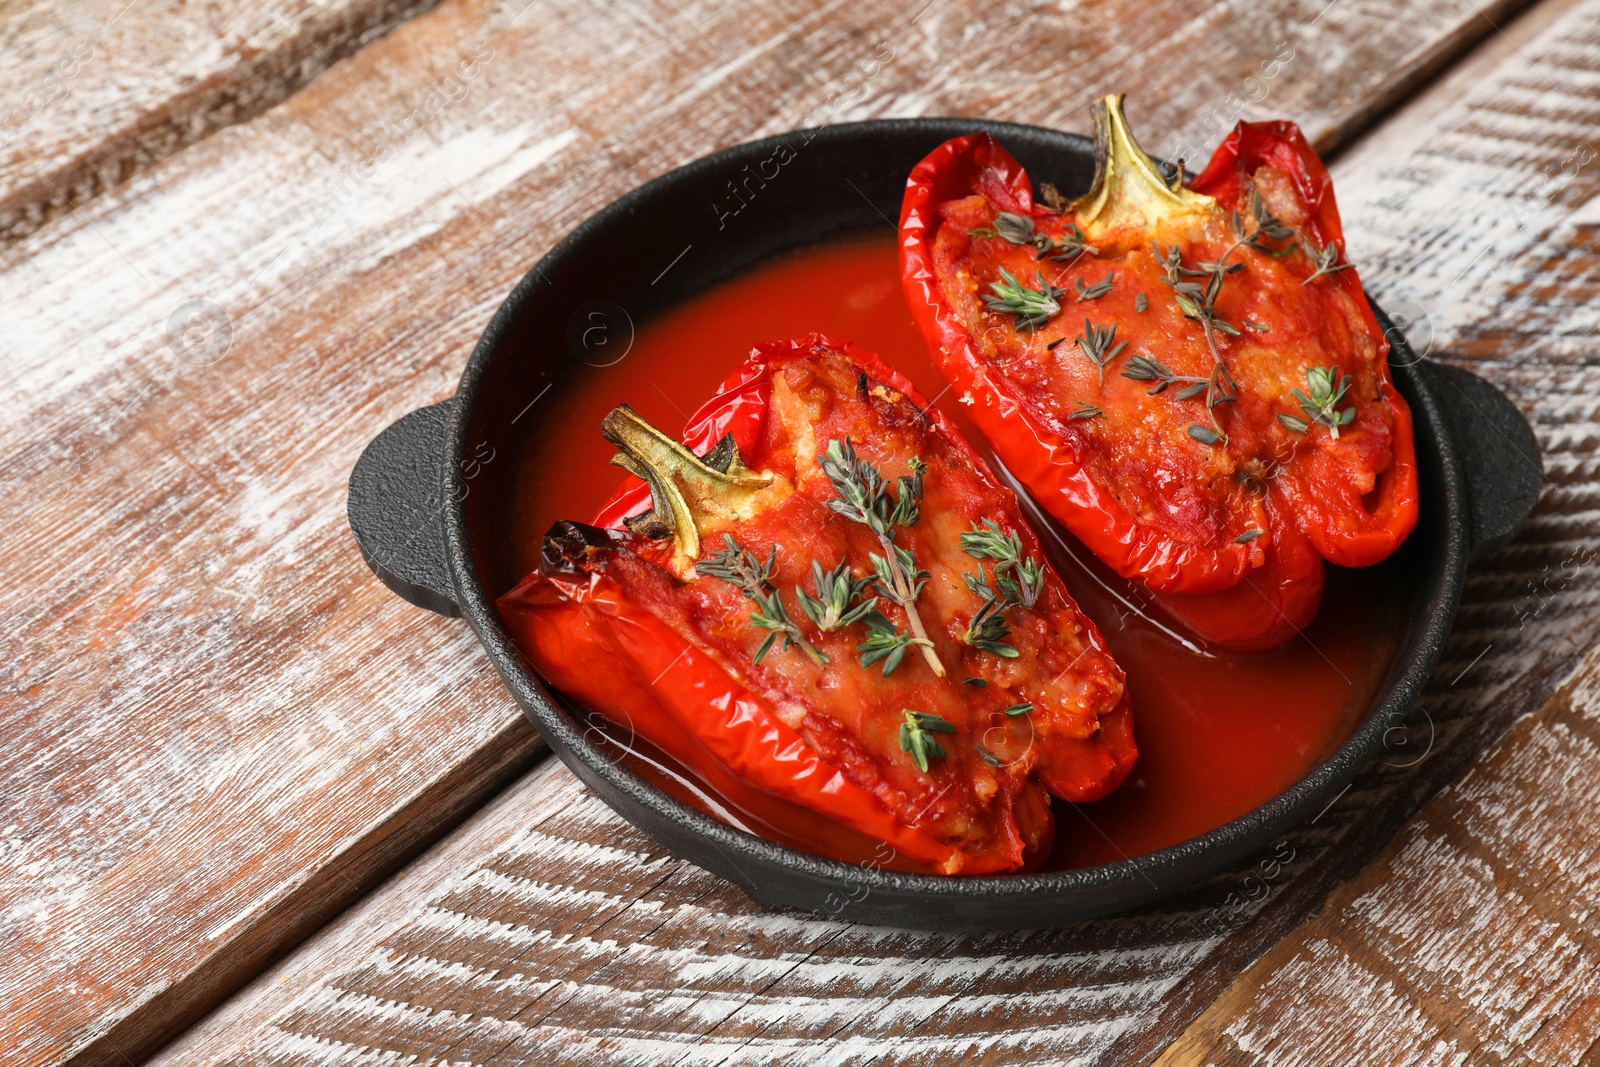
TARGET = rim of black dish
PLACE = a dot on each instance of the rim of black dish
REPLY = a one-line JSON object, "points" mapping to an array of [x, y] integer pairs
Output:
{"points": [[1199, 856]]}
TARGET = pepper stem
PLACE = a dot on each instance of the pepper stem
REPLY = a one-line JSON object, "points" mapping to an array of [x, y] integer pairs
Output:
{"points": [[685, 490], [1128, 188]]}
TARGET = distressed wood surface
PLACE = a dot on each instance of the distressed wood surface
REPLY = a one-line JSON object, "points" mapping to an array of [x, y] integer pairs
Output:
{"points": [[220, 728], [1472, 938], [91, 91], [574, 932]]}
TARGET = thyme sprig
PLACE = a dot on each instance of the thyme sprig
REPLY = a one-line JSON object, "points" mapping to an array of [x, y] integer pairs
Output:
{"points": [[1009, 226], [1100, 346], [1327, 261], [1019, 578], [916, 736], [1199, 301], [1149, 369], [840, 598], [741, 567], [1322, 406], [1086, 411], [989, 629], [886, 643], [1019, 230], [1032, 307], [1069, 246], [1268, 227], [864, 498], [1098, 289]]}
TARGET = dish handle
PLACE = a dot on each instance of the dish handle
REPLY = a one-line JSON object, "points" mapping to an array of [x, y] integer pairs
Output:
{"points": [[1500, 458], [396, 508]]}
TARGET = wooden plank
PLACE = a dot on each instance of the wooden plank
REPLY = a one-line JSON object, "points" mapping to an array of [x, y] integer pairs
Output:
{"points": [[574, 931], [220, 726], [474, 972], [1474, 927], [1471, 934], [1471, 939], [96, 90]]}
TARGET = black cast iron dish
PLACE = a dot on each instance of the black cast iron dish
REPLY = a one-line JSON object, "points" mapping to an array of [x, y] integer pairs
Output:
{"points": [[429, 500]]}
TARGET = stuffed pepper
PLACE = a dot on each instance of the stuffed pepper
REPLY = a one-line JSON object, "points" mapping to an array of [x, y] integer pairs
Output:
{"points": [[1188, 376], [824, 595]]}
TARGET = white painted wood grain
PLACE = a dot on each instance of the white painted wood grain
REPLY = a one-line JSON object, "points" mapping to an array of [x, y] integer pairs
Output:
{"points": [[557, 926], [1471, 939], [217, 721], [92, 91]]}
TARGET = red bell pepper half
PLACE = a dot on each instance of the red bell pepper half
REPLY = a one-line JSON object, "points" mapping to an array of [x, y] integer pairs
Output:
{"points": [[1187, 376], [824, 595]]}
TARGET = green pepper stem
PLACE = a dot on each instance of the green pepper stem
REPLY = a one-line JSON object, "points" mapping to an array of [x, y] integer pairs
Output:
{"points": [[684, 490], [1128, 188]]}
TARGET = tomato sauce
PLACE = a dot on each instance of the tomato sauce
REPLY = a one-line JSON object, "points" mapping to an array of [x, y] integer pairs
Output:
{"points": [[1219, 733]]}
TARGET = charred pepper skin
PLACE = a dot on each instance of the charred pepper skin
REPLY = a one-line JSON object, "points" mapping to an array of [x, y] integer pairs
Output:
{"points": [[1222, 510], [931, 767]]}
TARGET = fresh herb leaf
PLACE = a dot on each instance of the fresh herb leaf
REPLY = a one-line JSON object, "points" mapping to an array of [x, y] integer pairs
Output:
{"points": [[1268, 227], [864, 498], [1069, 246], [978, 683], [1008, 226], [1148, 369], [1205, 434], [1086, 411], [1100, 346], [1097, 290], [988, 629], [1294, 422], [1198, 300], [1326, 260], [1140, 302], [1018, 709], [840, 598], [1248, 536], [988, 757], [886, 643], [987, 541], [1019, 578], [739, 566], [1327, 390], [1020, 230], [916, 736], [1031, 307]]}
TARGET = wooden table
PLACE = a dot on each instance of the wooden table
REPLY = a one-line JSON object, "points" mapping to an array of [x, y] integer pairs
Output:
{"points": [[256, 810]]}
